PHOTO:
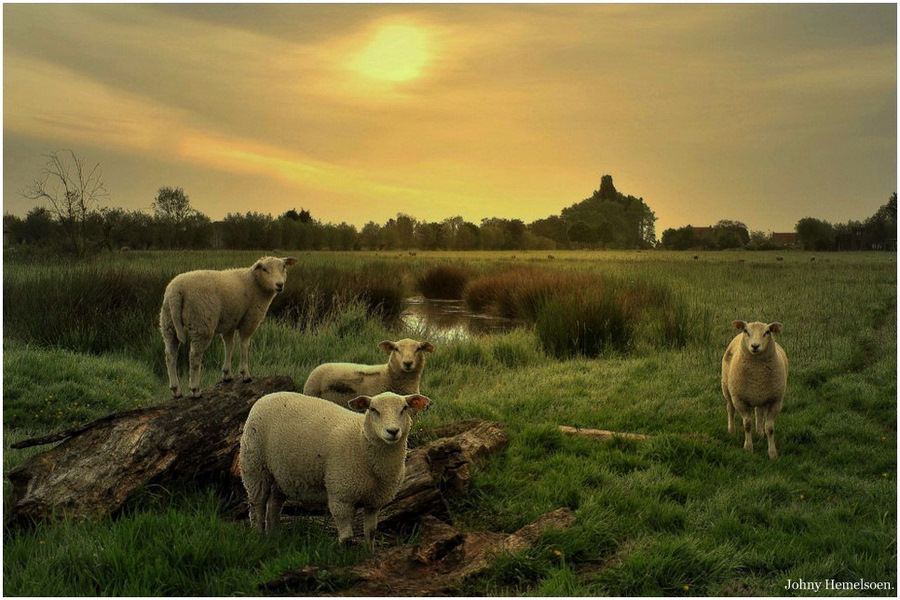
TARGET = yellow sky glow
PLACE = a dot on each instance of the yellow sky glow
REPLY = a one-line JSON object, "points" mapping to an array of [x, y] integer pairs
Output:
{"points": [[762, 113], [395, 53]]}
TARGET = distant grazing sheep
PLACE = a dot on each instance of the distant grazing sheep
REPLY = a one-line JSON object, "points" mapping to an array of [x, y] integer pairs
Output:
{"points": [[296, 446], [201, 304], [341, 382], [754, 376]]}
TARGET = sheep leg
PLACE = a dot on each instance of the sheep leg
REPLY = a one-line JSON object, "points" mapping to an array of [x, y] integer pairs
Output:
{"points": [[343, 513], [729, 408], [746, 412], [228, 340], [172, 345], [245, 358], [773, 411], [747, 417], [760, 419], [273, 507], [370, 522], [258, 490], [198, 347]]}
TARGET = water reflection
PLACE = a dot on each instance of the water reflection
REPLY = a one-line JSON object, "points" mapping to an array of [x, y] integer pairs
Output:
{"points": [[450, 319]]}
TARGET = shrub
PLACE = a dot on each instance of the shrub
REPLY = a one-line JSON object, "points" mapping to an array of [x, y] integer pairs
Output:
{"points": [[443, 282]]}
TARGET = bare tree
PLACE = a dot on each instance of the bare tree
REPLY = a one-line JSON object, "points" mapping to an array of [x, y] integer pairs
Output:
{"points": [[73, 193]]}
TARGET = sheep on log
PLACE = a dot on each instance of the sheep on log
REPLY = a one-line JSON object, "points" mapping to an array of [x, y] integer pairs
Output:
{"points": [[100, 465]]}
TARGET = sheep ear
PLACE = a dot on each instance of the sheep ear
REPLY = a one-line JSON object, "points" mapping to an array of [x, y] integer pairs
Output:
{"points": [[775, 327], [257, 265], [417, 401], [290, 261], [360, 403], [426, 346], [742, 325], [387, 346]]}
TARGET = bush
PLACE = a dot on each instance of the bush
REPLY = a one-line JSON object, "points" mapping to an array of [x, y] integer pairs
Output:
{"points": [[443, 282]]}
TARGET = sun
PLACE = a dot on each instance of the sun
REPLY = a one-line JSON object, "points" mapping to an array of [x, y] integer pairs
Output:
{"points": [[396, 53]]}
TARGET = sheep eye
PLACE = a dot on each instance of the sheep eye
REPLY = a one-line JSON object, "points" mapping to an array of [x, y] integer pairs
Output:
{"points": [[403, 410], [767, 333], [375, 411]]}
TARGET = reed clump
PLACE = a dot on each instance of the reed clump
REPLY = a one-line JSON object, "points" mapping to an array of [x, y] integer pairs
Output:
{"points": [[443, 282], [583, 313]]}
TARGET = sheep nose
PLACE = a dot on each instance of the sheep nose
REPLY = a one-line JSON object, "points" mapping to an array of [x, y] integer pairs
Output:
{"points": [[407, 364], [392, 431], [279, 287], [755, 347]]}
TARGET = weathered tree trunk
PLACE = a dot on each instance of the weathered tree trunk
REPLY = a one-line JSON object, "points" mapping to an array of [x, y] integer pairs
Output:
{"points": [[437, 565], [102, 463]]}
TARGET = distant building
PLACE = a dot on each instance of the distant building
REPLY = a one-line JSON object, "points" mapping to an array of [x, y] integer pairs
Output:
{"points": [[785, 240]]}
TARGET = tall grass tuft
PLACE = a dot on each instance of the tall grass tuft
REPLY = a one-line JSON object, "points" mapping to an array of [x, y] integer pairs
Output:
{"points": [[443, 282], [586, 314]]}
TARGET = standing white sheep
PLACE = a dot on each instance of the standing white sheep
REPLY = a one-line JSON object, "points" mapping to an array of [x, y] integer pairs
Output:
{"points": [[754, 376], [341, 382], [296, 446], [201, 304]]}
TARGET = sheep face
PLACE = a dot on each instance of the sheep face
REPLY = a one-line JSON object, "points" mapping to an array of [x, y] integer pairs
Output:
{"points": [[389, 415], [407, 356], [271, 272], [757, 335]]}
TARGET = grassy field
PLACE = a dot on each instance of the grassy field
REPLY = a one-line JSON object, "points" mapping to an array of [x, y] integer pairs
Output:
{"points": [[674, 515]]}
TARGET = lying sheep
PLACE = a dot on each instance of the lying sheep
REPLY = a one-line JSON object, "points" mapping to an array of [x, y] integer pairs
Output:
{"points": [[754, 376], [341, 382], [201, 304], [296, 446]]}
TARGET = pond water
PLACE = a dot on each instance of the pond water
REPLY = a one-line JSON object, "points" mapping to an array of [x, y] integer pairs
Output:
{"points": [[450, 319]]}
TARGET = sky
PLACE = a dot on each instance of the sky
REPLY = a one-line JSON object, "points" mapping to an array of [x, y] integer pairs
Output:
{"points": [[763, 114]]}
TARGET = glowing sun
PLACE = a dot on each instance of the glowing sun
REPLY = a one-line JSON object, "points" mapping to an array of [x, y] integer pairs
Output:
{"points": [[396, 53]]}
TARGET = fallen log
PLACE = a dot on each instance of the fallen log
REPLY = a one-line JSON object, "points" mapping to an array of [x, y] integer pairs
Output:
{"points": [[437, 565], [603, 435], [101, 464]]}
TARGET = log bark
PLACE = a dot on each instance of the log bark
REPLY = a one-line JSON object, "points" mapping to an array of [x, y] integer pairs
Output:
{"points": [[101, 464], [438, 565]]}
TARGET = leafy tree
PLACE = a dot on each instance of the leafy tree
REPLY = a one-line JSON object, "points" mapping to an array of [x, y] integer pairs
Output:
{"points": [[39, 226], [679, 239], [881, 228], [554, 228], [815, 234], [618, 220], [582, 233]]}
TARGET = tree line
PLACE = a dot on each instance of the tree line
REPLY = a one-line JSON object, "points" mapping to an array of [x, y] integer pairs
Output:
{"points": [[72, 217], [878, 232]]}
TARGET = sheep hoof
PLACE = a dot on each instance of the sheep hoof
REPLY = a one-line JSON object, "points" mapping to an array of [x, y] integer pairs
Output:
{"points": [[247, 379], [196, 393], [227, 378]]}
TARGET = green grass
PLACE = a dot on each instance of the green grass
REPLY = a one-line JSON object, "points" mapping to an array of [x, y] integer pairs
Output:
{"points": [[674, 515]]}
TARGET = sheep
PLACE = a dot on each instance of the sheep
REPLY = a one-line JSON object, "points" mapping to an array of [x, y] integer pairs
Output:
{"points": [[754, 376], [340, 382], [204, 303], [297, 446]]}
